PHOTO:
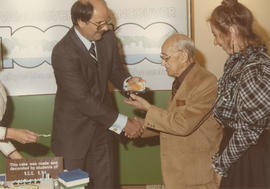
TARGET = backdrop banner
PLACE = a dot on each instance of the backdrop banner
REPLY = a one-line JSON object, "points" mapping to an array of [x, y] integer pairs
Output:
{"points": [[29, 29]]}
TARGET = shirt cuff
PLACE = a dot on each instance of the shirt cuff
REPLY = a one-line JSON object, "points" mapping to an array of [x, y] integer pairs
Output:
{"points": [[125, 82], [216, 164], [119, 124], [7, 148], [3, 131]]}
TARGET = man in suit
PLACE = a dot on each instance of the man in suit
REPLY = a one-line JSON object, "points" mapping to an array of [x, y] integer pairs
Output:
{"points": [[189, 135], [84, 116]]}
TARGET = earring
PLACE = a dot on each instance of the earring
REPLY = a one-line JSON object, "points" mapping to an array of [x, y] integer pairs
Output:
{"points": [[232, 45]]}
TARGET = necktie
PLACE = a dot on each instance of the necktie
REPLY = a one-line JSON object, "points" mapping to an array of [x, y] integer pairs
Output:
{"points": [[178, 80], [92, 51], [175, 86]]}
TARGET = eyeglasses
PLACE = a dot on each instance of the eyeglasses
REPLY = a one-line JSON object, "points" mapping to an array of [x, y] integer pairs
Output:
{"points": [[166, 58], [101, 25]]}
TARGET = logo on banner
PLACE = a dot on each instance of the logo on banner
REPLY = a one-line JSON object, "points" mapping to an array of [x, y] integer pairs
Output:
{"points": [[30, 46]]}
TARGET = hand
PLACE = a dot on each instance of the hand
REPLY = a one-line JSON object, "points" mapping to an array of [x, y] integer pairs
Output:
{"points": [[138, 102], [217, 178], [133, 128], [15, 155], [141, 121], [21, 135]]}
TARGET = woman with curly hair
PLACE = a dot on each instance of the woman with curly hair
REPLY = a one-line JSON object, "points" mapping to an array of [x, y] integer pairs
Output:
{"points": [[243, 102]]}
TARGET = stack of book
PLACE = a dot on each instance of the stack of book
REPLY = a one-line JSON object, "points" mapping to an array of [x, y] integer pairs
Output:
{"points": [[75, 179]]}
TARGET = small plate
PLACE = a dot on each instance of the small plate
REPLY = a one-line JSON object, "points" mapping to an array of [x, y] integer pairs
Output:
{"points": [[132, 90]]}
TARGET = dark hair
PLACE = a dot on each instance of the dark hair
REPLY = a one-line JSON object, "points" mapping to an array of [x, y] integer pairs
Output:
{"points": [[81, 11], [232, 13]]}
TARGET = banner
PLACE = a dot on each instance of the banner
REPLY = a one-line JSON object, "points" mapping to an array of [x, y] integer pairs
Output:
{"points": [[29, 29]]}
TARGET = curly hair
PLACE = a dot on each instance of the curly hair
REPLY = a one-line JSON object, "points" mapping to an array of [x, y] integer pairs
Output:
{"points": [[233, 13]]}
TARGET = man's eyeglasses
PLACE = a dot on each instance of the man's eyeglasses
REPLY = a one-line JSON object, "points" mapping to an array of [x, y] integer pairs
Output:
{"points": [[166, 58], [101, 25]]}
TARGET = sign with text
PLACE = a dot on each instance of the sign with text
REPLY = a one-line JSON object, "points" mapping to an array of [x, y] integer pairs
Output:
{"points": [[34, 168], [28, 35]]}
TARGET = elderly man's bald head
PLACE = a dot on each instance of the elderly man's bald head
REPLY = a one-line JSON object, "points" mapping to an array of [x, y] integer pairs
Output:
{"points": [[178, 42], [177, 54]]}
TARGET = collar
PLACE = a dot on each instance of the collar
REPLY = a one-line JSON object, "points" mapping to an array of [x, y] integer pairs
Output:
{"points": [[85, 41], [182, 75]]}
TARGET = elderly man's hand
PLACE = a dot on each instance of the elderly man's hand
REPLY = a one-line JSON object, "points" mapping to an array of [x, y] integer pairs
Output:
{"points": [[133, 128], [138, 102]]}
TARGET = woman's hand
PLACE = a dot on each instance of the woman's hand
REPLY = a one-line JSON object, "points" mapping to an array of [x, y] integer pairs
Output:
{"points": [[138, 102], [21, 135], [15, 155], [217, 178]]}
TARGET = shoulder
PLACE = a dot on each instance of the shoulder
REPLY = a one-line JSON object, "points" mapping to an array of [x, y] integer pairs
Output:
{"points": [[108, 37], [255, 78], [202, 76], [200, 83], [66, 42], [257, 68]]}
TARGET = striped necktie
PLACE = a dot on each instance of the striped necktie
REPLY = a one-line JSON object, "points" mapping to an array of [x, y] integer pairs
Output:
{"points": [[92, 51]]}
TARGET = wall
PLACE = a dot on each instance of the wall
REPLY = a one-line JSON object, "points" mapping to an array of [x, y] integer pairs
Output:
{"points": [[139, 160], [213, 58]]}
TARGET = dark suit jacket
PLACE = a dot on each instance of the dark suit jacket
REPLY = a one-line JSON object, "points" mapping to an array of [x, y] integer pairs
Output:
{"points": [[83, 100]]}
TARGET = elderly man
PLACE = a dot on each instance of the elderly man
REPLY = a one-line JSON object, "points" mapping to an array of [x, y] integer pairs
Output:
{"points": [[189, 135]]}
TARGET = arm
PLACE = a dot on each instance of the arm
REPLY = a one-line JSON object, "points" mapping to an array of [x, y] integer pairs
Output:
{"points": [[149, 133], [21, 135], [7, 148], [118, 74], [252, 111], [240, 141], [182, 119], [3, 101], [15, 155]]}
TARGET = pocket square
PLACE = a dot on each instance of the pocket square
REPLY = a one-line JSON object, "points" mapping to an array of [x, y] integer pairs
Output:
{"points": [[180, 102]]}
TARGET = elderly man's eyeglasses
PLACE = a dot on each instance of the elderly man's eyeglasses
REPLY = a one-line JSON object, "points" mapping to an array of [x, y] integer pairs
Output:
{"points": [[101, 25], [166, 58]]}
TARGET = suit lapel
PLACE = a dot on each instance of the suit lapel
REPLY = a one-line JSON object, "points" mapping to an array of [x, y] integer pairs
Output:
{"points": [[87, 61], [103, 65], [184, 89], [82, 48]]}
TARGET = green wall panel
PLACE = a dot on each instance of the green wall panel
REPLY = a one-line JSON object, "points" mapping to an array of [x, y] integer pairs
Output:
{"points": [[139, 159]]}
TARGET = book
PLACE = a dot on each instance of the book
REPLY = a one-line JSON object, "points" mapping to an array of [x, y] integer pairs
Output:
{"points": [[73, 178]]}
